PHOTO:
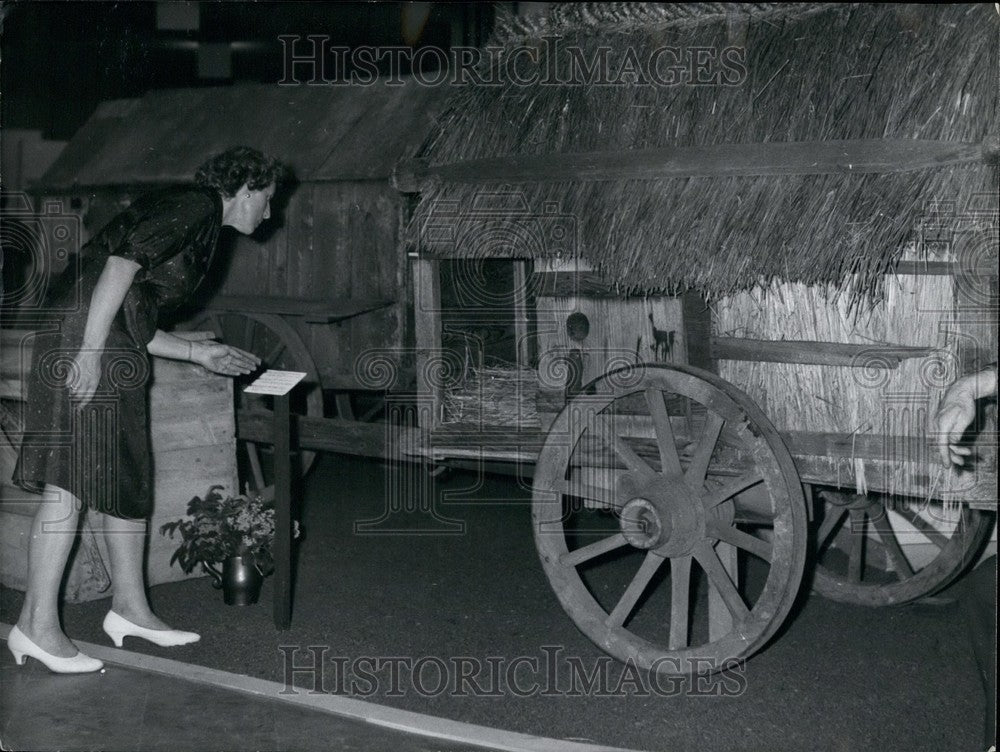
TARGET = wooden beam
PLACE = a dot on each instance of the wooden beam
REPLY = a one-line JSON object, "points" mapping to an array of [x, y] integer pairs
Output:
{"points": [[332, 435], [942, 269], [815, 353], [861, 156], [571, 285], [313, 311]]}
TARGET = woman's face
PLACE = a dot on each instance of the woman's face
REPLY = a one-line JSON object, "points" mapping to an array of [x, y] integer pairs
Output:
{"points": [[250, 208]]}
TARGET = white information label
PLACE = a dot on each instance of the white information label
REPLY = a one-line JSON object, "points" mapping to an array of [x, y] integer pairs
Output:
{"points": [[275, 382]]}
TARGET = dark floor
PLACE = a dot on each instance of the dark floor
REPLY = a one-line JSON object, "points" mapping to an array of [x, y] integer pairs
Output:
{"points": [[146, 711], [836, 677]]}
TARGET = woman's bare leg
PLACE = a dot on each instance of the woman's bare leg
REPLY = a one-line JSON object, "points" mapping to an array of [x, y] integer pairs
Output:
{"points": [[127, 547], [52, 534]]}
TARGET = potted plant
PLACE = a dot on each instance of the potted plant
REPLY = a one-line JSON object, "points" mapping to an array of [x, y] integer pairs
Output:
{"points": [[234, 531]]}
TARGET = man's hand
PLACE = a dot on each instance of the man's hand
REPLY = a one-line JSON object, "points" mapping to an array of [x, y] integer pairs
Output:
{"points": [[956, 413], [224, 359]]}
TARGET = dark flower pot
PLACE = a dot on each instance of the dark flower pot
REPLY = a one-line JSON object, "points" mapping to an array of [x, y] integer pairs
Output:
{"points": [[240, 580]]}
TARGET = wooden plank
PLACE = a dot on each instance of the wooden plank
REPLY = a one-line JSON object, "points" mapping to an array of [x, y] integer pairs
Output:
{"points": [[799, 443], [326, 311], [816, 353], [862, 156]]}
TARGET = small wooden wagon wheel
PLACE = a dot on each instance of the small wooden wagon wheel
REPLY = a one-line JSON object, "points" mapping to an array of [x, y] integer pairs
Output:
{"points": [[279, 346], [656, 469], [854, 567]]}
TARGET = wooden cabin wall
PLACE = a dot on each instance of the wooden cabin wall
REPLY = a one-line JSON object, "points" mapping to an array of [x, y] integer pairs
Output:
{"points": [[337, 241]]}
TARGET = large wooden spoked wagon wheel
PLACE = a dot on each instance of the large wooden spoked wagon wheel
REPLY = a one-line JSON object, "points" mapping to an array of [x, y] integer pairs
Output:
{"points": [[852, 566], [279, 347], [670, 519]]}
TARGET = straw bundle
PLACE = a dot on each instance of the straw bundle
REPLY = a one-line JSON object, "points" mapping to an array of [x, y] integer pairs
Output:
{"points": [[494, 396]]}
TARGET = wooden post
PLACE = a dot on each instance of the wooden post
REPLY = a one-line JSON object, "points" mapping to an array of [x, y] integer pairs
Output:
{"points": [[427, 322], [521, 314], [282, 514]]}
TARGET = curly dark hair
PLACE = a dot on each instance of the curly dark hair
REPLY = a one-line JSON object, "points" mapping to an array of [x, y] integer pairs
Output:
{"points": [[228, 171]]}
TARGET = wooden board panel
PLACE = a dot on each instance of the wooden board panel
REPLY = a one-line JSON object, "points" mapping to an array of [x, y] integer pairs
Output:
{"points": [[621, 332]]}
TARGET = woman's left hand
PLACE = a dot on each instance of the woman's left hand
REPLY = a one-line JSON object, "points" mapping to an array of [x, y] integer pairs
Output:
{"points": [[224, 359]]}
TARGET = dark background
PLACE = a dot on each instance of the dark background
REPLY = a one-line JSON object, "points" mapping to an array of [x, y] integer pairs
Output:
{"points": [[61, 59]]}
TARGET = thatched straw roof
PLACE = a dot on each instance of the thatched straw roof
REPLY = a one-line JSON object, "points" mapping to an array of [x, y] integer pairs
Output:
{"points": [[812, 73]]}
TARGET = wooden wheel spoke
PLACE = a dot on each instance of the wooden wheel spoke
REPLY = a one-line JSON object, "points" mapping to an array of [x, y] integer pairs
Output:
{"points": [[592, 550], [627, 455], [731, 488], [856, 530], [925, 528], [719, 578], [255, 468], [216, 324], [249, 330], [891, 543], [634, 590], [670, 461], [698, 467], [680, 600], [273, 355], [833, 516], [728, 534], [583, 490]]}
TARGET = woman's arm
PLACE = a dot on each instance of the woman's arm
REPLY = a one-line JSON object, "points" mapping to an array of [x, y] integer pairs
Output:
{"points": [[106, 301], [214, 356]]}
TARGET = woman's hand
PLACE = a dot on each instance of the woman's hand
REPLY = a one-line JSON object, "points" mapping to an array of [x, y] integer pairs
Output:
{"points": [[84, 376], [224, 359]]}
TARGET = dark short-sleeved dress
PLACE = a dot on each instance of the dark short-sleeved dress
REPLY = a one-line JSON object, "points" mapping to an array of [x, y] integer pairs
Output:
{"points": [[101, 453]]}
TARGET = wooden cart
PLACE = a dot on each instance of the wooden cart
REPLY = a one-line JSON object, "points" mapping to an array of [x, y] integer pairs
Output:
{"points": [[647, 472], [833, 196]]}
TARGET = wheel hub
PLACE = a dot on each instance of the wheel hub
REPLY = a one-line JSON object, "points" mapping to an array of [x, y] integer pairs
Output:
{"points": [[641, 524], [661, 514]]}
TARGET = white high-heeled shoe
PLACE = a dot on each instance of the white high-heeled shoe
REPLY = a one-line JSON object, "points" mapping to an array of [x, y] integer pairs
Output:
{"points": [[118, 628], [21, 647]]}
